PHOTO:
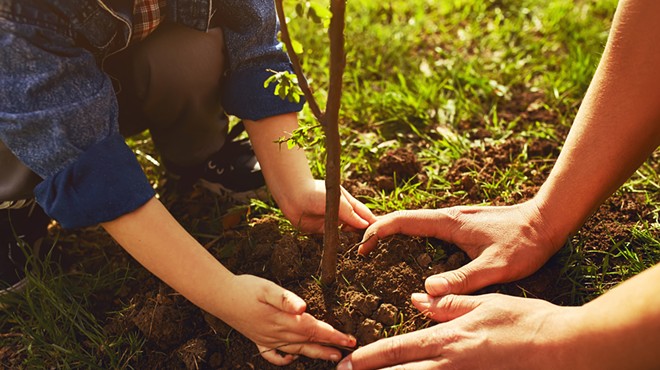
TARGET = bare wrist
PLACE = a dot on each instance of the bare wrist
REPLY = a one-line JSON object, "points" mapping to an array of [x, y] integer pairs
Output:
{"points": [[558, 338], [295, 200], [552, 235]]}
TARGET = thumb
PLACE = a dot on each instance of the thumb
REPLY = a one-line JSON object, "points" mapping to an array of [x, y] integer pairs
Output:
{"points": [[362, 211], [466, 279], [445, 308], [348, 215], [284, 300]]}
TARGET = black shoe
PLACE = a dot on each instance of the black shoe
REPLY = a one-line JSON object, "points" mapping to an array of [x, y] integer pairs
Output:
{"points": [[23, 225], [231, 172]]}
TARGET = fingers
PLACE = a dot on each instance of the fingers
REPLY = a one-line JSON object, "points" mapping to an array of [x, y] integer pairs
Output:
{"points": [[353, 213], [274, 357], [422, 222], [359, 207], [400, 349], [434, 363], [314, 350], [283, 299], [292, 352], [309, 329], [305, 329], [445, 308], [307, 336], [421, 349], [478, 273]]}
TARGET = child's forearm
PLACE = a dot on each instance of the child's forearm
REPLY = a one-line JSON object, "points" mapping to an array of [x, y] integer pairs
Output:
{"points": [[261, 310], [617, 126], [286, 170], [156, 240]]}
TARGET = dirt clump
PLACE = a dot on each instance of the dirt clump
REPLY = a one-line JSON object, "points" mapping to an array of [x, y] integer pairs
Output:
{"points": [[397, 167]]}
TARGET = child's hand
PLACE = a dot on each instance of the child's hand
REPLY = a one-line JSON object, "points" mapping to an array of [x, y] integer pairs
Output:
{"points": [[290, 181], [275, 319], [308, 212]]}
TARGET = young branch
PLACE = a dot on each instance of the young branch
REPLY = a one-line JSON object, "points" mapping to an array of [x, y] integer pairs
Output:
{"points": [[295, 62], [330, 122]]}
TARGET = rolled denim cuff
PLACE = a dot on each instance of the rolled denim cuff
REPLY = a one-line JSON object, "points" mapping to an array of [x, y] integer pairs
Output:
{"points": [[105, 182], [245, 96]]}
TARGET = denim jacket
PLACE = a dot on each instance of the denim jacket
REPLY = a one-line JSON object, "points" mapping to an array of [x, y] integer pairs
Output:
{"points": [[58, 111]]}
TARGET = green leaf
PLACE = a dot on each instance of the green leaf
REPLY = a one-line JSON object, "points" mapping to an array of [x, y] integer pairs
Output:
{"points": [[300, 10], [286, 85], [319, 11], [297, 46], [270, 80]]}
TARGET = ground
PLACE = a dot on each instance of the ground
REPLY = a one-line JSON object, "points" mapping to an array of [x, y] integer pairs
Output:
{"points": [[371, 298], [463, 103]]}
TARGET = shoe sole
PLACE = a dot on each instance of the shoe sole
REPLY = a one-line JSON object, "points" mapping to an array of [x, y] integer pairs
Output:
{"points": [[234, 196]]}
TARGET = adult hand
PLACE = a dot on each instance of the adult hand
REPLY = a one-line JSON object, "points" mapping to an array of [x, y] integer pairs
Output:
{"points": [[491, 331], [275, 320], [505, 243], [307, 213]]}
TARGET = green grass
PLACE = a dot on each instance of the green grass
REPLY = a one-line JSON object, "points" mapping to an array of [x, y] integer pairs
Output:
{"points": [[420, 68], [51, 322], [417, 71], [594, 271]]}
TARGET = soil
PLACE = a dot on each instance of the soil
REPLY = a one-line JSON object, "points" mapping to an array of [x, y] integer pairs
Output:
{"points": [[371, 298]]}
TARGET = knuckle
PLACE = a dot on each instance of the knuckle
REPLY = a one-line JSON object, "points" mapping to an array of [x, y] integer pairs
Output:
{"points": [[298, 350], [456, 218], [454, 213], [285, 301], [461, 280], [448, 302], [312, 333], [400, 214], [393, 349]]}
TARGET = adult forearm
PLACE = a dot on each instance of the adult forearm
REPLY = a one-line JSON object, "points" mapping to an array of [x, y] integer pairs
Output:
{"points": [[621, 329], [156, 240], [617, 126]]}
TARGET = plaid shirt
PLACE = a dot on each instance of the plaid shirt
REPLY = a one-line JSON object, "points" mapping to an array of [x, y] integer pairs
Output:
{"points": [[147, 15]]}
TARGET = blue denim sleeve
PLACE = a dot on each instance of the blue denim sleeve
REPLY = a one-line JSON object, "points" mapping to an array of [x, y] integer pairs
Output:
{"points": [[250, 29], [105, 182], [58, 115]]}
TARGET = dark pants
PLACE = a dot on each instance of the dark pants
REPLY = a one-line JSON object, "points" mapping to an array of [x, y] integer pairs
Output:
{"points": [[168, 84]]}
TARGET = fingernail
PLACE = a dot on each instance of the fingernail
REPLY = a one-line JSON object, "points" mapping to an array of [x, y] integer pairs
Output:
{"points": [[345, 365], [335, 357], [421, 298], [437, 285]]}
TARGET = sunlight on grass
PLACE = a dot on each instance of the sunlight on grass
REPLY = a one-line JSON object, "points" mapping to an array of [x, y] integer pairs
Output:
{"points": [[425, 75]]}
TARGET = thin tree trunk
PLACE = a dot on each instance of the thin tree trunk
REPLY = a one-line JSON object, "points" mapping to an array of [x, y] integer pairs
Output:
{"points": [[330, 122], [333, 144]]}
